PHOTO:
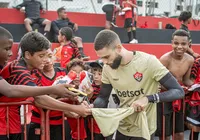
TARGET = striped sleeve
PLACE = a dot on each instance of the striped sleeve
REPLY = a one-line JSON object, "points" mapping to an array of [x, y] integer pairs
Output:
{"points": [[19, 75], [195, 69], [77, 53]]}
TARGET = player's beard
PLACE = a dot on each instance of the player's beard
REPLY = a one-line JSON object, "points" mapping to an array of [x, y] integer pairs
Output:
{"points": [[116, 63]]}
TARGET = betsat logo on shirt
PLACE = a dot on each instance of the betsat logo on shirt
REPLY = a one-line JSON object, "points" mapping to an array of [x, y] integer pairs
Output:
{"points": [[129, 93]]}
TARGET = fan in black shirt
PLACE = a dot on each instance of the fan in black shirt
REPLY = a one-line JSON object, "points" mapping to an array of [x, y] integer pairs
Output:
{"points": [[32, 13]]}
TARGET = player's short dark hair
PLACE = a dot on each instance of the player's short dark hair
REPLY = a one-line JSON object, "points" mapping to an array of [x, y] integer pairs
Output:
{"points": [[34, 42], [67, 32], [5, 34], [180, 32], [105, 38], [60, 9], [75, 62], [184, 16]]}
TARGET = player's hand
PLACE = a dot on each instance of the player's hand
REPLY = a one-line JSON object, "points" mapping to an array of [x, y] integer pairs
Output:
{"points": [[22, 9], [62, 90], [84, 109], [75, 27], [140, 104]]}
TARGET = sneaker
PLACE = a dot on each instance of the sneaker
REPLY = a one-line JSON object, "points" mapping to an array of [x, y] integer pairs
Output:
{"points": [[134, 41], [113, 24]]}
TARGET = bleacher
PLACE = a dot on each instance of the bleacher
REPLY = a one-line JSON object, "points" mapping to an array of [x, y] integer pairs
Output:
{"points": [[151, 40]]}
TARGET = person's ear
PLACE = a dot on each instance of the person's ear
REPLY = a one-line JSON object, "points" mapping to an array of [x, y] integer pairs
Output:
{"points": [[27, 55], [118, 48]]}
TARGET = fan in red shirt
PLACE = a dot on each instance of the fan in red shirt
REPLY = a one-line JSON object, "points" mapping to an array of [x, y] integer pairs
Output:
{"points": [[14, 73], [34, 48], [68, 49], [77, 66], [47, 77], [128, 7]]}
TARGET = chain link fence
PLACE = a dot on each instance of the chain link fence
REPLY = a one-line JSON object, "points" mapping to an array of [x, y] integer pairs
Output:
{"points": [[169, 8], [166, 8]]}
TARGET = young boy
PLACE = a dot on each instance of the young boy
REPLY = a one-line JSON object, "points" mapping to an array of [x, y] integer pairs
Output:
{"points": [[6, 41], [68, 49], [47, 77], [78, 66], [179, 63], [64, 21], [97, 67], [34, 48], [128, 8]]}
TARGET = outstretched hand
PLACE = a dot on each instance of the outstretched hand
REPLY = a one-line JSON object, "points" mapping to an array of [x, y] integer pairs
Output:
{"points": [[62, 90], [140, 104], [84, 109]]}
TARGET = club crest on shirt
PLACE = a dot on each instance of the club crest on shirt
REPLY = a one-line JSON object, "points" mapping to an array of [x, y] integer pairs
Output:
{"points": [[138, 76], [65, 53]]}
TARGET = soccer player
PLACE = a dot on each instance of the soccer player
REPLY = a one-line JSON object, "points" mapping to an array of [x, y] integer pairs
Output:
{"points": [[128, 8], [135, 76]]}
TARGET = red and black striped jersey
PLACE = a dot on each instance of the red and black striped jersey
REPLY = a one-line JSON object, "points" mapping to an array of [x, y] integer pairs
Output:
{"points": [[69, 52], [195, 71], [47, 81], [95, 92], [55, 116], [16, 73]]}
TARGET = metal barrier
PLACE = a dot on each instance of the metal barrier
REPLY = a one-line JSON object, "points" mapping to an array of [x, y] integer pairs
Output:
{"points": [[45, 123], [25, 103]]}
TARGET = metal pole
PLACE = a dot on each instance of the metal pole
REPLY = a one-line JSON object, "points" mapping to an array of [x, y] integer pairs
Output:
{"points": [[144, 8], [47, 5], [93, 6]]}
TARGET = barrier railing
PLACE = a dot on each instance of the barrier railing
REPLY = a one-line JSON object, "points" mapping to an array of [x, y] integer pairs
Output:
{"points": [[25, 103], [45, 123]]}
